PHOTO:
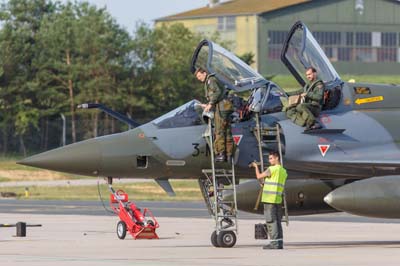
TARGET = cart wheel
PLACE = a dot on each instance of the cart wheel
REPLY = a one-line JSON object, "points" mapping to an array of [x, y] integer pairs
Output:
{"points": [[214, 241], [121, 230], [226, 239]]}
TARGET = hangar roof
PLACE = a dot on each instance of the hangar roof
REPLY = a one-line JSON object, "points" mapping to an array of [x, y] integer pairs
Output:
{"points": [[235, 7]]}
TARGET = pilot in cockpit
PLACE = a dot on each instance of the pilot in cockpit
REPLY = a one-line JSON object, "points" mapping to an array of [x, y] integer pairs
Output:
{"points": [[307, 106]]}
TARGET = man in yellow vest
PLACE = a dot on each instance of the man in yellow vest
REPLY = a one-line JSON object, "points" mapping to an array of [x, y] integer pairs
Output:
{"points": [[274, 184]]}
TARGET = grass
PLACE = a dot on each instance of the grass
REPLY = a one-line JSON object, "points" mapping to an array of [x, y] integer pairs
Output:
{"points": [[186, 190], [22, 172], [4, 179], [9, 163]]}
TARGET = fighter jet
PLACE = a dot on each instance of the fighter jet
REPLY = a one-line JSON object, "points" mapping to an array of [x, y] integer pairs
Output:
{"points": [[353, 163]]}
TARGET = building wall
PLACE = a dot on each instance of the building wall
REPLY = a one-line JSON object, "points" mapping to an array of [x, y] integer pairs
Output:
{"points": [[246, 36], [202, 25], [357, 41]]}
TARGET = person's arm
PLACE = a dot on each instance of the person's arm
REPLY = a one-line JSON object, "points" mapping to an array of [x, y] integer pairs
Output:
{"points": [[262, 175], [317, 94], [296, 92], [214, 91]]}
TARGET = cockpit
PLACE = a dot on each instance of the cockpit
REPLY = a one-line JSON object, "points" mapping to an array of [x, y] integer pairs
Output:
{"points": [[299, 52], [227, 67], [183, 116], [238, 77]]}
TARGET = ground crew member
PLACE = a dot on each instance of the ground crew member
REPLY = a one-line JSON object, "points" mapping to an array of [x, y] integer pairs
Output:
{"points": [[223, 108], [305, 114], [274, 183]]}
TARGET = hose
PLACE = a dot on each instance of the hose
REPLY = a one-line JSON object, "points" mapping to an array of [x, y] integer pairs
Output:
{"points": [[101, 198]]}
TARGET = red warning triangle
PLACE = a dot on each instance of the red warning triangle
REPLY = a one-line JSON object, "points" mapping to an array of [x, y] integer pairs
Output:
{"points": [[237, 139], [323, 149]]}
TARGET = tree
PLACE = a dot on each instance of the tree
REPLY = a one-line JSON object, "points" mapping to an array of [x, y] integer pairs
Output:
{"points": [[162, 62], [21, 21], [248, 58], [104, 49]]}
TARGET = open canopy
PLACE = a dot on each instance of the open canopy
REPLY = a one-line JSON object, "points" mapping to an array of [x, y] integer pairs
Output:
{"points": [[228, 68], [301, 51]]}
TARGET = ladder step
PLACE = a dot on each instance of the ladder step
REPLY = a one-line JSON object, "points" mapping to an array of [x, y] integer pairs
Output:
{"points": [[263, 133], [226, 201], [219, 171]]}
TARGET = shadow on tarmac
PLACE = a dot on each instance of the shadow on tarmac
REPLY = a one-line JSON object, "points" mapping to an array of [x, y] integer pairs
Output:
{"points": [[343, 244]]}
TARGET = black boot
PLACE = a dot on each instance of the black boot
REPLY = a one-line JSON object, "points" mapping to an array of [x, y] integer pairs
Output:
{"points": [[314, 126], [269, 246]]}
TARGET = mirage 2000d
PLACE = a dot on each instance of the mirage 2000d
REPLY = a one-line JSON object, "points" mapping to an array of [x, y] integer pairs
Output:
{"points": [[353, 164]]}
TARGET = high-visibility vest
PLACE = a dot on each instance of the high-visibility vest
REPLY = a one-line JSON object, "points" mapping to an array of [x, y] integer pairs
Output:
{"points": [[274, 185]]}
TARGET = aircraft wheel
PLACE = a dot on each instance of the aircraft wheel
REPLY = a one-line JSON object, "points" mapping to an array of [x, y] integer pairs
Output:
{"points": [[214, 240], [121, 230], [226, 239]]}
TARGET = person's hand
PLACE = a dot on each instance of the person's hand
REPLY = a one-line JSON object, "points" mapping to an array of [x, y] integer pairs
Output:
{"points": [[303, 94], [207, 108], [253, 164], [203, 105]]}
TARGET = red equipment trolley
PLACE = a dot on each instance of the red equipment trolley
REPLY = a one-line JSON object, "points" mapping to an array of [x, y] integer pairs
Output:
{"points": [[132, 220]]}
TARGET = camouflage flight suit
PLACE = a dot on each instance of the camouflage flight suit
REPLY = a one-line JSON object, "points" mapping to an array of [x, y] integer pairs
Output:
{"points": [[305, 114], [216, 96]]}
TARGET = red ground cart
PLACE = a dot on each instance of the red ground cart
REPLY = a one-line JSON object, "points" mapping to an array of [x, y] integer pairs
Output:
{"points": [[132, 220]]}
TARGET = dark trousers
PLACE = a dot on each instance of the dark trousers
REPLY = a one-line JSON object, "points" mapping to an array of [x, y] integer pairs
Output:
{"points": [[273, 218]]}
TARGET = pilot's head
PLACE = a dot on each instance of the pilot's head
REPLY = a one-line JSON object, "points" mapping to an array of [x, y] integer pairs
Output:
{"points": [[201, 74], [311, 74]]}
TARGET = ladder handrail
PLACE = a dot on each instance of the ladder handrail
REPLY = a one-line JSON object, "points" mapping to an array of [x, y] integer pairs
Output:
{"points": [[211, 145], [278, 135], [259, 142]]}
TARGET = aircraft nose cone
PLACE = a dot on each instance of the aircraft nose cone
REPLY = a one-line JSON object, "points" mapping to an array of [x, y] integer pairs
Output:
{"points": [[79, 158], [328, 198], [341, 198]]}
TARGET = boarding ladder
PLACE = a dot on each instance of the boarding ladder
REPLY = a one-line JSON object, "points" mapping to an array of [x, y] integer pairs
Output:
{"points": [[217, 184], [269, 139]]}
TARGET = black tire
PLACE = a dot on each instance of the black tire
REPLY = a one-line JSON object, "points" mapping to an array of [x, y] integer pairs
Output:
{"points": [[226, 239], [214, 240], [121, 230]]}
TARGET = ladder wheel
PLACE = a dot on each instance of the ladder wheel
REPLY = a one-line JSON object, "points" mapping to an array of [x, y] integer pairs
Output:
{"points": [[121, 229], [214, 240], [226, 239]]}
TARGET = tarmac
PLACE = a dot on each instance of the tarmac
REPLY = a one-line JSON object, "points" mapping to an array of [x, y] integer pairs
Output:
{"points": [[70, 239]]}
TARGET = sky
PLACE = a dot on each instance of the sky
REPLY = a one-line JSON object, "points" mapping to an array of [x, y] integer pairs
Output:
{"points": [[129, 12]]}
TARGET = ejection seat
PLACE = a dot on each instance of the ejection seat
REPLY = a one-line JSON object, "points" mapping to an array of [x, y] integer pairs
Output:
{"points": [[332, 98]]}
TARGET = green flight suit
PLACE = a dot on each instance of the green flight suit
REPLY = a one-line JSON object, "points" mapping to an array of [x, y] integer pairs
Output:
{"points": [[305, 114], [216, 96]]}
